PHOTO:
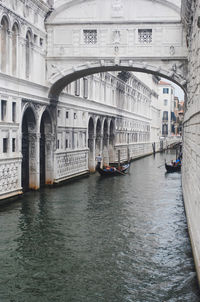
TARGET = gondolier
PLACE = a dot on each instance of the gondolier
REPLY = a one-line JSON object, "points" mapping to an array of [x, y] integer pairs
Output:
{"points": [[99, 160]]}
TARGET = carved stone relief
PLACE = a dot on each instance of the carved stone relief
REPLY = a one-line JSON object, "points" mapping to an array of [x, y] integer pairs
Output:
{"points": [[9, 177], [71, 163], [117, 9]]}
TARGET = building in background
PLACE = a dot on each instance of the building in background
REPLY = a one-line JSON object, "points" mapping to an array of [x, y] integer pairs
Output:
{"points": [[166, 101]]}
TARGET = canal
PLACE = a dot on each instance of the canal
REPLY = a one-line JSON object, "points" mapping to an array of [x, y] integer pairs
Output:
{"points": [[100, 240]]}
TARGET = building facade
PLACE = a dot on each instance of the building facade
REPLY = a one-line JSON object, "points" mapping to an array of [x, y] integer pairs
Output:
{"points": [[45, 143], [166, 98]]}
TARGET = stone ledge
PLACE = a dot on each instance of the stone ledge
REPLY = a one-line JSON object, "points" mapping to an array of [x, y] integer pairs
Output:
{"points": [[8, 197]]}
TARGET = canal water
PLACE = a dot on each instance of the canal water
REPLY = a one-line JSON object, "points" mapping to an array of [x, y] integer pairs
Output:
{"points": [[100, 240]]}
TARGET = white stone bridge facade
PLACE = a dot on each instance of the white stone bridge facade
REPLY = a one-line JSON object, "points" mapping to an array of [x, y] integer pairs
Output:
{"points": [[86, 37], [51, 121]]}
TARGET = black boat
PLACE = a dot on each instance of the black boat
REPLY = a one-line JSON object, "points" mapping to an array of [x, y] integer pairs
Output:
{"points": [[173, 167], [112, 171]]}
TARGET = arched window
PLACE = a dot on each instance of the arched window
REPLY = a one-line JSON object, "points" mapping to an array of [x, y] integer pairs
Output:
{"points": [[15, 32], [4, 44], [28, 54]]}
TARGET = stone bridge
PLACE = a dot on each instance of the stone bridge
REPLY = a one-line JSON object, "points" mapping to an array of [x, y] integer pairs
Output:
{"points": [[140, 35]]}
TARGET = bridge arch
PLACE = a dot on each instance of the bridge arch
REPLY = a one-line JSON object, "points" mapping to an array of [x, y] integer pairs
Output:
{"points": [[175, 73]]}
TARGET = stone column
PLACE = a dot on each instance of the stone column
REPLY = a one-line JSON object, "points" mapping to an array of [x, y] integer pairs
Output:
{"points": [[21, 58], [31, 62], [34, 161], [99, 144], [17, 56], [105, 150], [49, 159], [91, 161], [9, 62]]}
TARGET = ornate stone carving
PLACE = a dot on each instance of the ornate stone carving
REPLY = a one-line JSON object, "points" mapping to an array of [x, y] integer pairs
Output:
{"points": [[14, 4], [172, 50], [116, 37], [9, 177], [117, 9], [71, 163]]}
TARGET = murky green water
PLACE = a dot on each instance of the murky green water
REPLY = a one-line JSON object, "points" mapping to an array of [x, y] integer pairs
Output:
{"points": [[113, 240]]}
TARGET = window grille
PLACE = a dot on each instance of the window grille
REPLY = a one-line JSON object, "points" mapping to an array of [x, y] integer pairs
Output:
{"points": [[90, 36], [145, 36]]}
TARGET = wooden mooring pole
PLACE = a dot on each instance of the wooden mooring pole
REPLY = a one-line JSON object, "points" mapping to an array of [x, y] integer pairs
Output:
{"points": [[118, 158]]}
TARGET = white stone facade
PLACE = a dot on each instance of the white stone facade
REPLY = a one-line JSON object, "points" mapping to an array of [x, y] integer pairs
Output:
{"points": [[139, 35], [22, 44], [48, 140]]}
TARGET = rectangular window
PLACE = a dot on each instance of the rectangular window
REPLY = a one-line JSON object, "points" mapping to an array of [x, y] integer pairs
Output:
{"points": [[166, 90], [75, 116], [165, 116], [5, 145], [165, 102], [3, 110], [66, 144], [13, 145], [58, 144], [41, 42], [85, 88], [35, 39], [58, 113], [145, 36], [77, 87], [67, 114], [13, 111], [90, 36]]}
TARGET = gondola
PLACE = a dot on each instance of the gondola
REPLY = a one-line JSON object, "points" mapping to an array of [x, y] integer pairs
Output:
{"points": [[112, 171], [173, 168]]}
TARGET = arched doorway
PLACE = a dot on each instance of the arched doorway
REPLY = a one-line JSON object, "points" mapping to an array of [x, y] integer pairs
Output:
{"points": [[91, 146], [46, 150], [28, 148]]}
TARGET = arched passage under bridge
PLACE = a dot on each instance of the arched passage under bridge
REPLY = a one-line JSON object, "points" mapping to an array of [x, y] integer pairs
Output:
{"points": [[60, 81]]}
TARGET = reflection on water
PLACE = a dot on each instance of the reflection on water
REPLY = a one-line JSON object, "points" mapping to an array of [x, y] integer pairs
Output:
{"points": [[116, 239]]}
